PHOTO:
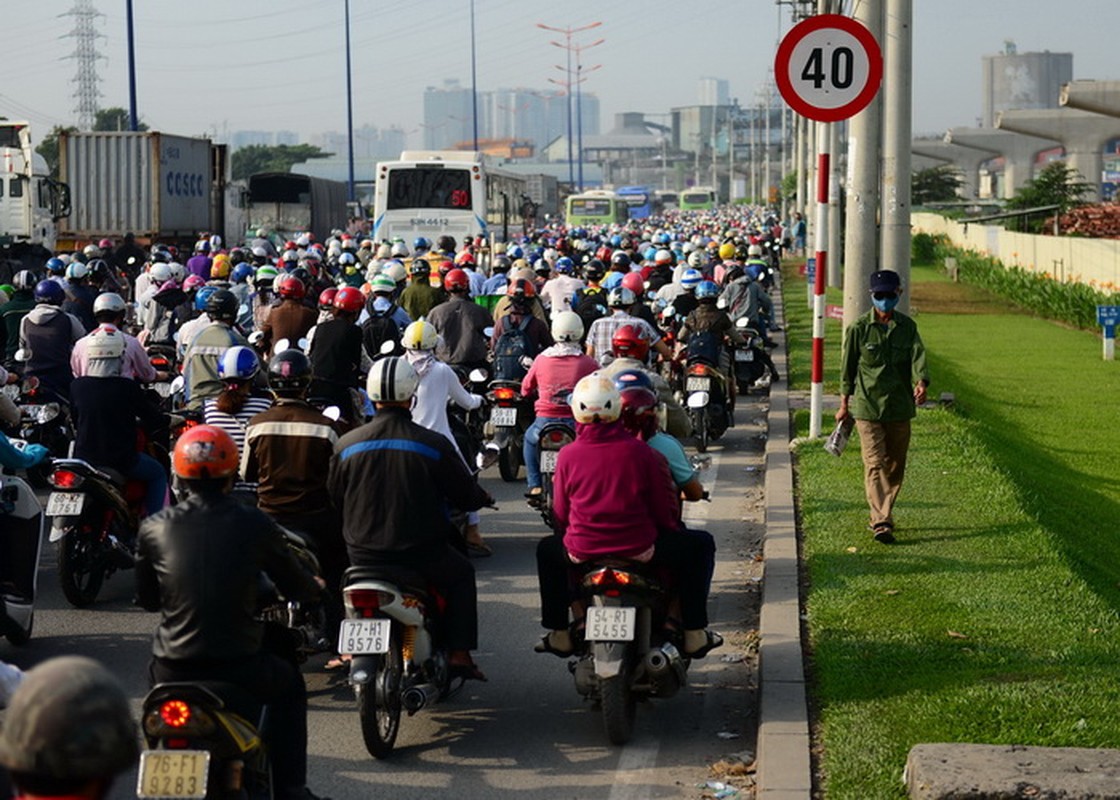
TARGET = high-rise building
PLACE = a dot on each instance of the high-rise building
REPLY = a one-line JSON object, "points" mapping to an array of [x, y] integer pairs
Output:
{"points": [[714, 92], [1014, 80], [448, 115]]}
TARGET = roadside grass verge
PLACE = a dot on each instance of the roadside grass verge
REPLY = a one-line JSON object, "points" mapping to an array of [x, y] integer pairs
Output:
{"points": [[996, 618]]}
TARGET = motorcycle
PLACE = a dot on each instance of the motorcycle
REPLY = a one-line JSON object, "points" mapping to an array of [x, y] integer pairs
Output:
{"points": [[164, 359], [397, 662], [306, 622], [94, 518], [554, 437], [21, 523], [628, 655], [705, 387], [510, 416], [750, 359], [43, 419], [200, 745]]}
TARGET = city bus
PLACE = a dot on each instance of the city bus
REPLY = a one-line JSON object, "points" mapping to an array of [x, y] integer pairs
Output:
{"points": [[433, 193], [597, 207], [639, 199], [698, 198], [667, 199]]}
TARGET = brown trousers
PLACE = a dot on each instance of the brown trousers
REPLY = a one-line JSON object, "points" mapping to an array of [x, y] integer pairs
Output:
{"points": [[884, 446]]}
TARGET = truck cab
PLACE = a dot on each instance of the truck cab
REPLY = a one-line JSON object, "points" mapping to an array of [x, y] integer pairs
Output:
{"points": [[31, 202]]}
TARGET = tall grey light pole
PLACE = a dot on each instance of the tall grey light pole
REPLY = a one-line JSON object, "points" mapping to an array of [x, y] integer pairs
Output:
{"points": [[133, 118], [474, 83], [895, 210], [349, 111], [568, 33]]}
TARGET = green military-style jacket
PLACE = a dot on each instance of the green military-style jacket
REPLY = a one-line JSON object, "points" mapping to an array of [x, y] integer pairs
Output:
{"points": [[880, 365]]}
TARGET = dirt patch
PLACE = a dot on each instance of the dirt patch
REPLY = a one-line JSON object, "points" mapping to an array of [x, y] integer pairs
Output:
{"points": [[954, 298]]}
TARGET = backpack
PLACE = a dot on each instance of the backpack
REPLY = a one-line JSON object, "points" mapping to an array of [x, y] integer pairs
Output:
{"points": [[512, 349], [705, 346], [378, 329], [590, 304]]}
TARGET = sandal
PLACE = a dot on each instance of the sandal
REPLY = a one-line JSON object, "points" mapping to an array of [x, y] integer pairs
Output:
{"points": [[338, 662], [712, 641], [545, 645], [479, 550], [466, 672]]}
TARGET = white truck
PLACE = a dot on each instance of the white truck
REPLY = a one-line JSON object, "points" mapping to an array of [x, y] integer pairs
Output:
{"points": [[31, 202]]}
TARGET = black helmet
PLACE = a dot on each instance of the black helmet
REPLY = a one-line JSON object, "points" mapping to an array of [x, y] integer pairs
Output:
{"points": [[446, 244], [222, 305], [420, 268], [289, 373], [594, 270]]}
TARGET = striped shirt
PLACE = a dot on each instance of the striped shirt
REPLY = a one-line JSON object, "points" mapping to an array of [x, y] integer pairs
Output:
{"points": [[235, 425]]}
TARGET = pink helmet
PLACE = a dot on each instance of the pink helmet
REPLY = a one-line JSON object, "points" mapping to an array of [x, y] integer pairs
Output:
{"points": [[633, 281], [193, 282]]}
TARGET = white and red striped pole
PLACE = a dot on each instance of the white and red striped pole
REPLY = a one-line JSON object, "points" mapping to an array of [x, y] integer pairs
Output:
{"points": [[816, 394]]}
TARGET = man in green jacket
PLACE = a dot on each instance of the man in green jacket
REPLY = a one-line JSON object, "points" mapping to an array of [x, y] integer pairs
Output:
{"points": [[883, 379]]}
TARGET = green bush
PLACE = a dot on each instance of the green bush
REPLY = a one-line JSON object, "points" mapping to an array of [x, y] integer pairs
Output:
{"points": [[923, 247]]}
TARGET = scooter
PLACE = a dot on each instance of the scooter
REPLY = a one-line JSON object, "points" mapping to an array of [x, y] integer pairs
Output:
{"points": [[554, 437], [21, 537], [750, 359], [44, 419], [510, 415], [705, 387]]}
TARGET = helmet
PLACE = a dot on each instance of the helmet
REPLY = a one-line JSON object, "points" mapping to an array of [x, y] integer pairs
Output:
{"points": [[457, 281], [264, 276], [391, 380], [55, 701], [382, 284], [215, 242], [446, 244], [291, 287], [542, 267], [594, 270], [633, 281], [91, 251], [349, 300], [241, 273], [303, 275], [259, 252], [444, 267], [222, 305], [595, 399], [193, 283], [420, 243], [289, 257], [49, 292], [202, 296], [347, 259], [520, 288], [620, 259], [663, 258], [160, 273], [238, 363], [399, 250], [628, 342], [220, 268], [567, 327], [633, 379], [205, 452], [564, 265], [727, 251], [691, 278], [178, 271], [465, 257], [621, 297], [420, 335], [77, 271], [754, 250], [502, 263], [395, 271], [696, 259], [56, 266], [326, 297], [515, 252], [289, 373], [420, 268], [639, 408], [707, 290], [303, 240], [105, 244], [109, 302], [24, 280]]}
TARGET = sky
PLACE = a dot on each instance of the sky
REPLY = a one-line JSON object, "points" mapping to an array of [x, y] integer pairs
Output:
{"points": [[208, 67]]}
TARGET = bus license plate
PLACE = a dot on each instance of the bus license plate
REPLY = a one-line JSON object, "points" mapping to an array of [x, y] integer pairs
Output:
{"points": [[173, 774], [503, 417], [65, 504], [697, 384], [548, 460], [744, 355], [361, 637], [611, 624]]}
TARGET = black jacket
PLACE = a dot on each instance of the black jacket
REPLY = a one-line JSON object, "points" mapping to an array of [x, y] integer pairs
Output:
{"points": [[105, 412], [199, 563], [392, 480]]}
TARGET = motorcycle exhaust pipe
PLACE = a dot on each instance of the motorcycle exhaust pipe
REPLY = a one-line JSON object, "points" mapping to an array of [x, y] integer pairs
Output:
{"points": [[666, 670], [662, 660], [121, 554], [416, 697]]}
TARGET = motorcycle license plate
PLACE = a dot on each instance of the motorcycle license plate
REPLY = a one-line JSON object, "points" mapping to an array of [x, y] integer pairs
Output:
{"points": [[162, 389], [173, 774], [503, 417], [697, 384], [611, 624], [744, 355], [548, 460], [359, 637], [65, 504]]}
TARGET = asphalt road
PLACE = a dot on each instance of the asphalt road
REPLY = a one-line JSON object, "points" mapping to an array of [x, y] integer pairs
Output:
{"points": [[525, 733]]}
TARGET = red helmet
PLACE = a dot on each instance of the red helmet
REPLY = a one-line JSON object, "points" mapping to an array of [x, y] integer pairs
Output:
{"points": [[628, 342], [290, 245], [521, 288], [326, 297], [203, 452], [349, 299], [633, 281], [291, 287], [639, 411], [456, 281], [445, 266], [604, 253]]}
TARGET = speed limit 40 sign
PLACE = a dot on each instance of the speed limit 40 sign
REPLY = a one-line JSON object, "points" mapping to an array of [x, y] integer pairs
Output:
{"points": [[828, 67]]}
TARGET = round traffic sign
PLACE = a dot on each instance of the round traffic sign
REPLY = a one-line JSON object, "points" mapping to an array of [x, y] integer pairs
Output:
{"points": [[828, 67]]}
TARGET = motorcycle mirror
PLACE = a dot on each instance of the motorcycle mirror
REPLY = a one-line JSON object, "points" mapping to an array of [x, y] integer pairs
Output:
{"points": [[721, 303], [23, 354], [255, 337], [303, 344], [243, 309], [281, 345], [477, 376], [332, 413], [701, 461], [387, 347], [177, 384], [487, 456], [488, 331], [742, 322]]}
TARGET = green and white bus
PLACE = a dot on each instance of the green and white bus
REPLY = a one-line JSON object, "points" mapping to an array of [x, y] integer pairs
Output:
{"points": [[596, 207], [698, 198]]}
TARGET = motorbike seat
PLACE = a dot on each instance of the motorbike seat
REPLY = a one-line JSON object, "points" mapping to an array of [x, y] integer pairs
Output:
{"points": [[403, 576], [117, 477], [232, 696]]}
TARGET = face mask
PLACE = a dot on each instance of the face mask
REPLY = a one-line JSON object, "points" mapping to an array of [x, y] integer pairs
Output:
{"points": [[886, 304], [382, 304]]}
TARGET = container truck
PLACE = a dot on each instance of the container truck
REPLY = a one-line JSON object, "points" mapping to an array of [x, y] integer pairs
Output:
{"points": [[31, 202], [286, 204]]}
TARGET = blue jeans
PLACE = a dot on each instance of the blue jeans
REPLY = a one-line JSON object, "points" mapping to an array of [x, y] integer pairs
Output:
{"points": [[148, 470], [531, 449]]}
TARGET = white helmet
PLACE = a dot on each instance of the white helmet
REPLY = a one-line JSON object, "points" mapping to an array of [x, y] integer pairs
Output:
{"points": [[595, 399], [178, 271], [399, 250], [567, 327], [391, 380], [92, 251], [76, 271], [754, 250], [695, 259], [420, 335], [215, 243], [109, 301], [160, 273], [395, 271], [304, 240]]}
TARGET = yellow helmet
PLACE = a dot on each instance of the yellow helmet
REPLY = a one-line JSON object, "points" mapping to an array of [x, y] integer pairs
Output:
{"points": [[727, 251], [420, 335], [220, 267]]}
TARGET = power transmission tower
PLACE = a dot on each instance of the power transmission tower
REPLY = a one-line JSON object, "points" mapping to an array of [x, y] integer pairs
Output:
{"points": [[85, 37]]}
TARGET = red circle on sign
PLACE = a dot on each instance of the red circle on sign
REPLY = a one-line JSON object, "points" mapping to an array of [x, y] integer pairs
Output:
{"points": [[804, 106]]}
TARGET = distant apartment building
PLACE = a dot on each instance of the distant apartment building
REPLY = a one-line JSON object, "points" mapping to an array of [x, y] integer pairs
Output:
{"points": [[1014, 80]]}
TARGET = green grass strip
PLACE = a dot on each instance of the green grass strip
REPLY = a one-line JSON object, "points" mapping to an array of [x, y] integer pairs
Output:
{"points": [[995, 618]]}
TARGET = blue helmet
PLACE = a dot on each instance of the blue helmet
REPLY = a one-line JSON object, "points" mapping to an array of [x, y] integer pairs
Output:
{"points": [[56, 266], [707, 290], [420, 243], [613, 280], [50, 292], [633, 378], [241, 273], [564, 265], [202, 295], [238, 363], [515, 252]]}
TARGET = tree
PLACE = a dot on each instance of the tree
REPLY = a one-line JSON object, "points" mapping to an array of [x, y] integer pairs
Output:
{"points": [[789, 186], [1058, 184], [259, 158], [936, 184], [48, 148], [114, 119]]}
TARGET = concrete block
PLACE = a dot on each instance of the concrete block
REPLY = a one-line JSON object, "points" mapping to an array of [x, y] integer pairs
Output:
{"points": [[783, 708], [780, 659], [783, 761], [1010, 772]]}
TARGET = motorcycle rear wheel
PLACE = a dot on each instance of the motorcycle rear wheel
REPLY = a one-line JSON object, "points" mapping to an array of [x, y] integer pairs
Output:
{"points": [[379, 702], [619, 706], [700, 429], [509, 464], [81, 568]]}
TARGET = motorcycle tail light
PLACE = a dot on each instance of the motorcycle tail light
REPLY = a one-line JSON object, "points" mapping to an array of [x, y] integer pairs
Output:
{"points": [[698, 369], [366, 602], [610, 577], [160, 363], [65, 479], [556, 437], [504, 393], [175, 713]]}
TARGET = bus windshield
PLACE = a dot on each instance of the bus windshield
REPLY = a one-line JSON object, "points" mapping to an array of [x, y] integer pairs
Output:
{"points": [[429, 187], [590, 207]]}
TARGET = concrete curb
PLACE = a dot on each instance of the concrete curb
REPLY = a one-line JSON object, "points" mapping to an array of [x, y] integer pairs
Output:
{"points": [[784, 766]]}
